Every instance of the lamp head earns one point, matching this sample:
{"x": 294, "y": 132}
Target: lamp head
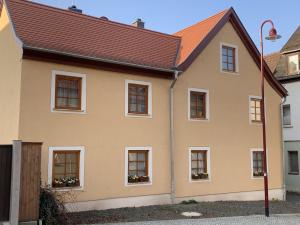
{"x": 273, "y": 36}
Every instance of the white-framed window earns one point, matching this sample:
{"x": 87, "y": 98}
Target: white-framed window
{"x": 257, "y": 158}
{"x": 138, "y": 166}
{"x": 66, "y": 167}
{"x": 68, "y": 92}
{"x": 287, "y": 122}
{"x": 198, "y": 104}
{"x": 229, "y": 58}
{"x": 293, "y": 63}
{"x": 199, "y": 164}
{"x": 255, "y": 103}
{"x": 138, "y": 98}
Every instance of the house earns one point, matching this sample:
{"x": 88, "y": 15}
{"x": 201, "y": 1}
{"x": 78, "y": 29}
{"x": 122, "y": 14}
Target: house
{"x": 285, "y": 66}
{"x": 129, "y": 116}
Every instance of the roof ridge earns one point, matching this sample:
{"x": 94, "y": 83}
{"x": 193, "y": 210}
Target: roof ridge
{"x": 85, "y": 16}
{"x": 290, "y": 38}
{"x": 202, "y": 21}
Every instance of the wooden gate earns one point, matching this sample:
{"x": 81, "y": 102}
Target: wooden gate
{"x": 30, "y": 182}
{"x": 5, "y": 181}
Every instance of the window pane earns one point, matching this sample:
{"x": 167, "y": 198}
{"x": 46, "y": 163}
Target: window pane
{"x": 194, "y": 156}
{"x": 194, "y": 164}
{"x": 141, "y": 173}
{"x": 224, "y": 66}
{"x": 71, "y": 158}
{"x": 59, "y": 169}
{"x": 141, "y": 157}
{"x": 132, "y": 166}
{"x": 293, "y": 64}
{"x": 287, "y": 115}
{"x": 59, "y": 158}
{"x": 230, "y": 53}
{"x": 230, "y": 67}
{"x": 141, "y": 166}
{"x": 132, "y": 156}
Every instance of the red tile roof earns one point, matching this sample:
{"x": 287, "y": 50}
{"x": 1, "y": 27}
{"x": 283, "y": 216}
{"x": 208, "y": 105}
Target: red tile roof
{"x": 192, "y": 36}
{"x": 45, "y": 27}
{"x": 61, "y": 31}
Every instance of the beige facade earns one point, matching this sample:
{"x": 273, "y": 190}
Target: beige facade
{"x": 10, "y": 64}
{"x": 104, "y": 131}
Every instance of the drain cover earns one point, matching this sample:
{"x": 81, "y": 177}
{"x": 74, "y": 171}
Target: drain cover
{"x": 191, "y": 214}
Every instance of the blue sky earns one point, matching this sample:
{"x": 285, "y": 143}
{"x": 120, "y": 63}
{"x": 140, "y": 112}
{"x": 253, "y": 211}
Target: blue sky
{"x": 169, "y": 16}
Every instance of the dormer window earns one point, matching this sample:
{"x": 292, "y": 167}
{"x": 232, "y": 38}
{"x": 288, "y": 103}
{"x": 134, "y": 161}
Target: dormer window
{"x": 293, "y": 64}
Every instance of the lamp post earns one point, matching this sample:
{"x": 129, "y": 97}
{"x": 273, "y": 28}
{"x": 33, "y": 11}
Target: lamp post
{"x": 272, "y": 37}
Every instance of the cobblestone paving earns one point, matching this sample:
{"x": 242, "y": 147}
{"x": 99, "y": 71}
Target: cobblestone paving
{"x": 242, "y": 220}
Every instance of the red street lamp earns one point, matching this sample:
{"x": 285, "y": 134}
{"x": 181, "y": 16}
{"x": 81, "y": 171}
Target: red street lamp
{"x": 273, "y": 36}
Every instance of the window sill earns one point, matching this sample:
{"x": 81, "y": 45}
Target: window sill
{"x": 68, "y": 111}
{"x": 200, "y": 180}
{"x": 257, "y": 177}
{"x": 138, "y": 184}
{"x": 79, "y": 188}
{"x": 138, "y": 115}
{"x": 255, "y": 122}
{"x": 287, "y": 126}
{"x": 230, "y": 72}
{"x": 293, "y": 173}
{"x": 199, "y": 119}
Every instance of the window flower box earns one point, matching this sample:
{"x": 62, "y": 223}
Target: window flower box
{"x": 258, "y": 174}
{"x": 138, "y": 179}
{"x": 66, "y": 182}
{"x": 200, "y": 176}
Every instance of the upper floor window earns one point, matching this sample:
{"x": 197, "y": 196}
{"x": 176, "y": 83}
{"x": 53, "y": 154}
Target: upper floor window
{"x": 255, "y": 109}
{"x": 229, "y": 58}
{"x": 138, "y": 99}
{"x": 198, "y": 104}
{"x": 286, "y": 115}
{"x": 68, "y": 92}
{"x": 293, "y": 63}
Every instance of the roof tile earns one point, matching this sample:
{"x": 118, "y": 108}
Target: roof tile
{"x": 60, "y": 30}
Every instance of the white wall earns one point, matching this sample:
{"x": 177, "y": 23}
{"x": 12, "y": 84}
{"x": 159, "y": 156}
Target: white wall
{"x": 292, "y": 133}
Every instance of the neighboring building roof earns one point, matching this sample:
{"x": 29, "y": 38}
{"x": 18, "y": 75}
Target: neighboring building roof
{"x": 278, "y": 60}
{"x": 272, "y": 60}
{"x": 43, "y": 27}
{"x": 193, "y": 35}
{"x": 293, "y": 43}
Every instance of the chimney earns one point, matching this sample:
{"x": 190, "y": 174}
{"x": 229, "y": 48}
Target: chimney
{"x": 73, "y": 8}
{"x": 139, "y": 23}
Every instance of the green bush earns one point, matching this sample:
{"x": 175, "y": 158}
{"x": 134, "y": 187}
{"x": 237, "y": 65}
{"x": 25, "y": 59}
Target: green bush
{"x": 52, "y": 210}
{"x": 192, "y": 201}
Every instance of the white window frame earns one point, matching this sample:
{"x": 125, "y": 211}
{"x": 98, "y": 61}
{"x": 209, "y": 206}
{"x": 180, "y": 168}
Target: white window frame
{"x": 249, "y": 106}
{"x": 208, "y": 164}
{"x": 236, "y": 72}
{"x": 83, "y": 92}
{"x": 251, "y": 157}
{"x": 127, "y": 114}
{"x": 207, "y": 111}
{"x": 149, "y": 149}
{"x": 81, "y": 165}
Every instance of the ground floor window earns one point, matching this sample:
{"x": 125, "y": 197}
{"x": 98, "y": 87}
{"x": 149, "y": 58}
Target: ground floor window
{"x": 66, "y": 167}
{"x": 293, "y": 162}
{"x": 257, "y": 163}
{"x": 199, "y": 163}
{"x": 138, "y": 165}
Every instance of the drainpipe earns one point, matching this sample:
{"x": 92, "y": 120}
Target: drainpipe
{"x": 283, "y": 148}
{"x": 172, "y": 166}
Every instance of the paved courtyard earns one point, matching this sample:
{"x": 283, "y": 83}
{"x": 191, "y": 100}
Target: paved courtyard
{"x": 242, "y": 220}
